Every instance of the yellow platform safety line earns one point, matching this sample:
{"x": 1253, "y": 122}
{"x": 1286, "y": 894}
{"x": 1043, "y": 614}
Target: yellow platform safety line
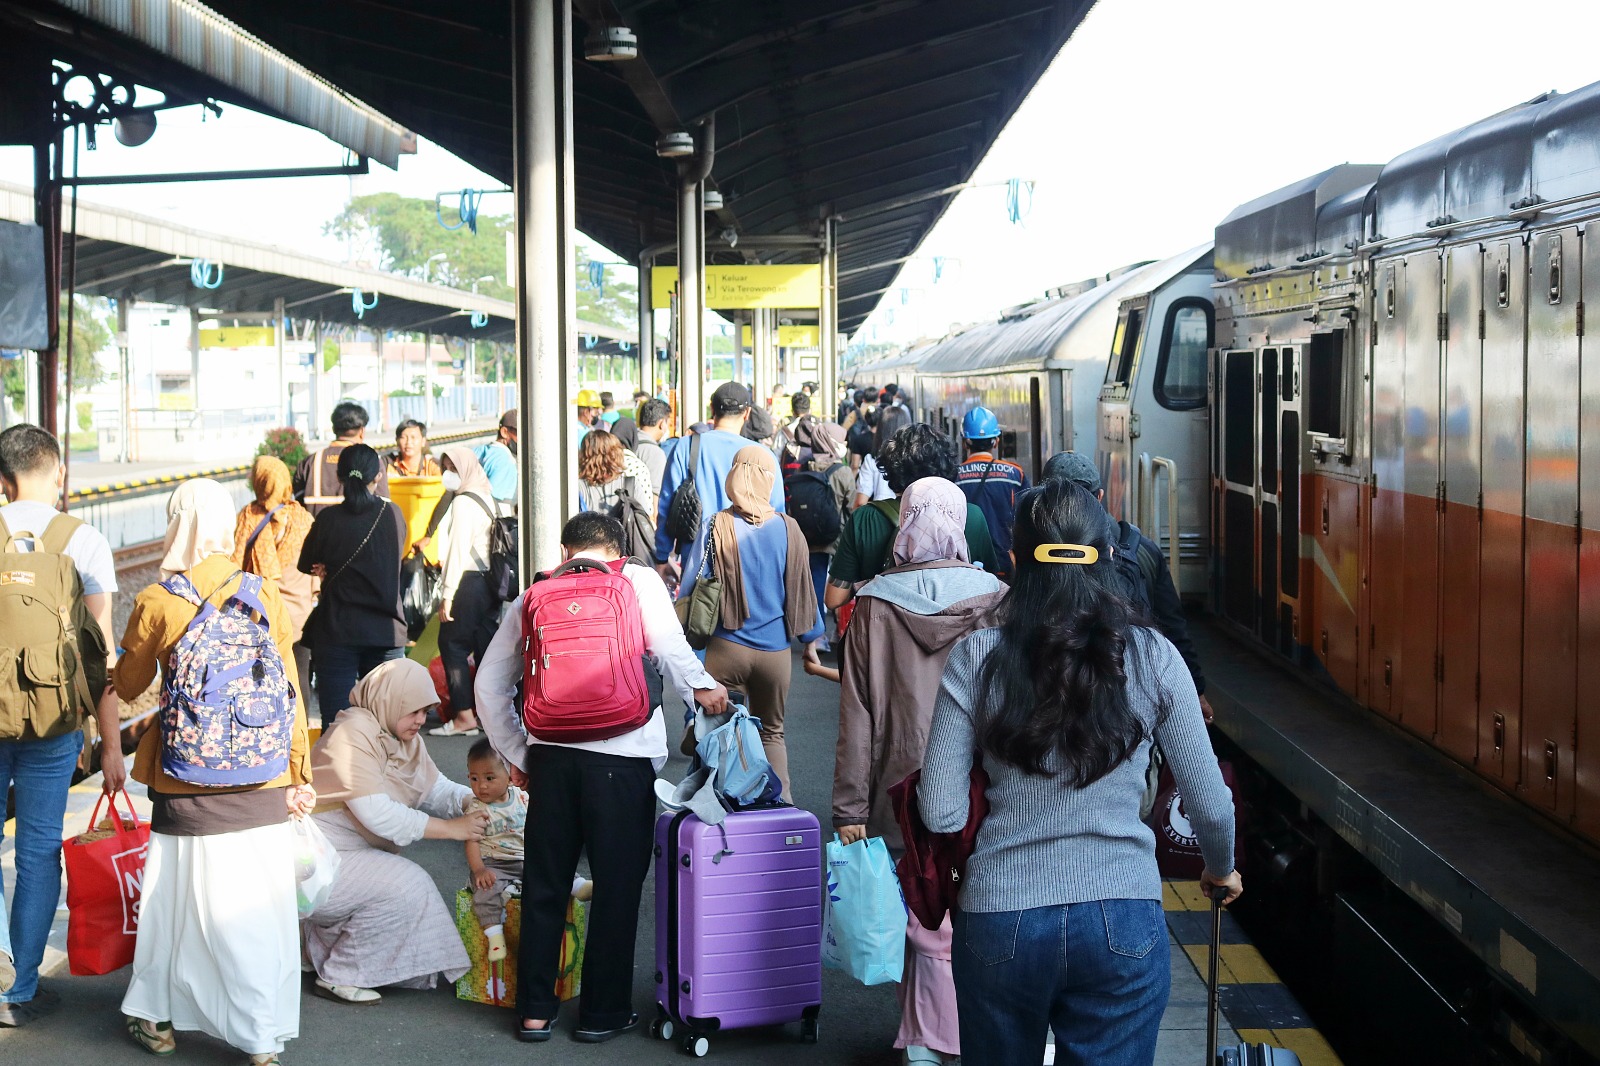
{"x": 1307, "y": 1043}
{"x": 1240, "y": 964}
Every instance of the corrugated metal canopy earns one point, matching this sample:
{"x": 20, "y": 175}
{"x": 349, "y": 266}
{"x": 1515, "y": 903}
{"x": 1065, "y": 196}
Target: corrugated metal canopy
{"x": 181, "y": 47}
{"x": 120, "y": 253}
{"x": 821, "y": 105}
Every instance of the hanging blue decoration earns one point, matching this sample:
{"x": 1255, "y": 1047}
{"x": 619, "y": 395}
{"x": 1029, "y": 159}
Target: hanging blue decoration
{"x": 891, "y": 316}
{"x": 480, "y": 319}
{"x": 905, "y": 297}
{"x": 467, "y": 210}
{"x": 625, "y": 346}
{"x": 204, "y": 274}
{"x": 1018, "y": 206}
{"x": 359, "y": 304}
{"x": 589, "y": 340}
{"x": 938, "y": 268}
{"x": 597, "y": 277}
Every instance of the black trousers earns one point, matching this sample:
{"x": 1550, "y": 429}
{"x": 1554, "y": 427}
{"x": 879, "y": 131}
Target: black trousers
{"x": 603, "y": 804}
{"x": 477, "y": 616}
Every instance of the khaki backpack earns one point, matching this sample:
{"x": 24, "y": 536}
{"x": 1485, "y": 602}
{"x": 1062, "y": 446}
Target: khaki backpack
{"x": 52, "y": 653}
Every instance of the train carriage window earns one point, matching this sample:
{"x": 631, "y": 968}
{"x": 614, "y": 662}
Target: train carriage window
{"x": 1325, "y": 384}
{"x": 1181, "y": 366}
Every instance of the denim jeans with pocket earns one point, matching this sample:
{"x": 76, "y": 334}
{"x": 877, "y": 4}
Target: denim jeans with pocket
{"x": 339, "y": 667}
{"x": 1098, "y": 974}
{"x": 41, "y": 770}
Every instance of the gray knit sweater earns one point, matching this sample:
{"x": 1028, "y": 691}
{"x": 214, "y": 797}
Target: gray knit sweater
{"x": 1045, "y": 844}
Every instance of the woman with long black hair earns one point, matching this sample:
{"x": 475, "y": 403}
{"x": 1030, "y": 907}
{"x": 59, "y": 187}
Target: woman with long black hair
{"x": 1060, "y": 924}
{"x": 355, "y": 547}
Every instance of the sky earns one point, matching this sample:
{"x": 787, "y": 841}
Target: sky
{"x": 1156, "y": 119}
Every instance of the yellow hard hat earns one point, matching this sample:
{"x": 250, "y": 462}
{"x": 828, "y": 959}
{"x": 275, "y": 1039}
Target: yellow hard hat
{"x": 587, "y": 398}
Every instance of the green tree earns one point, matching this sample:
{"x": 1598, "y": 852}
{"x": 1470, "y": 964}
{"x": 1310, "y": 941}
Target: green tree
{"x": 402, "y": 234}
{"x": 92, "y": 333}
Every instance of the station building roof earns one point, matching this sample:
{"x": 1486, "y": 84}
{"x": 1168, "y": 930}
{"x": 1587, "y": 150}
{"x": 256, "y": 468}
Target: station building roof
{"x": 121, "y": 253}
{"x": 821, "y": 106}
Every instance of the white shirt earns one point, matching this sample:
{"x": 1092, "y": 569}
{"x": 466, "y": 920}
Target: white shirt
{"x": 463, "y": 536}
{"x": 495, "y": 691}
{"x": 87, "y": 547}
{"x": 387, "y": 817}
{"x": 872, "y": 482}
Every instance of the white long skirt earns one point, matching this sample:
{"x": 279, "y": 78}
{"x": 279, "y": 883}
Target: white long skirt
{"x": 218, "y": 950}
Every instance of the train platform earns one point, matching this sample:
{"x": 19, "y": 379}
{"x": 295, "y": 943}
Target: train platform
{"x": 857, "y": 1024}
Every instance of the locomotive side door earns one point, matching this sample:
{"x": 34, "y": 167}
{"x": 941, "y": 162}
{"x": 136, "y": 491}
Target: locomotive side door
{"x": 1118, "y": 425}
{"x": 1234, "y": 511}
{"x": 1586, "y": 768}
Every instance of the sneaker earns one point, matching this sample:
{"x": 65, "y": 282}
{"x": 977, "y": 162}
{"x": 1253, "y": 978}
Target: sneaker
{"x": 449, "y": 730}
{"x": 16, "y": 1015}
{"x": 361, "y": 997}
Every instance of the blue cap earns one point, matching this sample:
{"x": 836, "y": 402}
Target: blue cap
{"x": 980, "y": 424}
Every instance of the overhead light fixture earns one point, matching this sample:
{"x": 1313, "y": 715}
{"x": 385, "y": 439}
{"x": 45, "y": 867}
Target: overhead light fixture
{"x": 609, "y": 44}
{"x": 713, "y": 200}
{"x": 134, "y": 128}
{"x": 675, "y": 145}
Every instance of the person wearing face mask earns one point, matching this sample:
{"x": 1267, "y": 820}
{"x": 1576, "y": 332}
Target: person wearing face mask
{"x": 468, "y": 610}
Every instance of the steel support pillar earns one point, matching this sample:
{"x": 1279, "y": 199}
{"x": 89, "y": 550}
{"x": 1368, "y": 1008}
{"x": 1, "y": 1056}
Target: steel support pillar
{"x": 279, "y": 327}
{"x": 427, "y": 378}
{"x": 828, "y": 322}
{"x": 194, "y": 357}
{"x": 125, "y": 454}
{"x": 314, "y": 404}
{"x": 47, "y": 155}
{"x": 546, "y": 286}
{"x": 647, "y": 326}
{"x": 766, "y": 368}
{"x": 691, "y": 307}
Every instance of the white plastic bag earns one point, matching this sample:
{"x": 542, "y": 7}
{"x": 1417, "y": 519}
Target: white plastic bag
{"x": 864, "y": 930}
{"x": 316, "y": 866}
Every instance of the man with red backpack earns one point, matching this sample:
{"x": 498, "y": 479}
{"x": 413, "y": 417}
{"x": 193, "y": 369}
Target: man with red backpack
{"x": 583, "y": 740}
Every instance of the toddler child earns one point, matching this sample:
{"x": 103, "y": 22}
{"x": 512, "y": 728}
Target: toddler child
{"x": 495, "y": 862}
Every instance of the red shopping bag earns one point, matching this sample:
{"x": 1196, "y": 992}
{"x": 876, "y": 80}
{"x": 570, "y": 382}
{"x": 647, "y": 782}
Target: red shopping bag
{"x": 105, "y": 878}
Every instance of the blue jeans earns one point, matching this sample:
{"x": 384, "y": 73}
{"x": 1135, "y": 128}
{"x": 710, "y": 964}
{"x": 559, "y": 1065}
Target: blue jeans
{"x": 42, "y": 772}
{"x": 1098, "y": 974}
{"x": 338, "y": 667}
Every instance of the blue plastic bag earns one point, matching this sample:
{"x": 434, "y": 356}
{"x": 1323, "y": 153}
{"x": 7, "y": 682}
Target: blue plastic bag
{"x": 864, "y": 930}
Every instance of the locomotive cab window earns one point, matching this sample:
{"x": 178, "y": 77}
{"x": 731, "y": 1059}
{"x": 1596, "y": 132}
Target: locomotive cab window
{"x": 1124, "y": 344}
{"x": 1181, "y": 366}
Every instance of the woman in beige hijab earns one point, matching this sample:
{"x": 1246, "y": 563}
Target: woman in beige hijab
{"x": 469, "y": 611}
{"x": 219, "y": 883}
{"x": 385, "y": 922}
{"x": 768, "y": 600}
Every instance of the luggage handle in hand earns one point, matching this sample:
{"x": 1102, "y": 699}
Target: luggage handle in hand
{"x": 1217, "y": 899}
{"x": 120, "y": 827}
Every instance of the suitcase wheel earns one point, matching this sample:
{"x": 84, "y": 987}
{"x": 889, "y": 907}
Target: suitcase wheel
{"x": 696, "y": 1045}
{"x": 808, "y": 1030}
{"x": 662, "y": 1028}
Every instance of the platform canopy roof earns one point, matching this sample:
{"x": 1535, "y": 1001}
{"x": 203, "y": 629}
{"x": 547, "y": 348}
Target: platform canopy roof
{"x": 821, "y": 106}
{"x": 124, "y": 254}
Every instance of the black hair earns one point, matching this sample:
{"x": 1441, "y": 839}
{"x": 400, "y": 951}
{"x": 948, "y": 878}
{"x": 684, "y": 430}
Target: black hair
{"x": 860, "y": 397}
{"x": 482, "y": 750}
{"x": 916, "y": 452}
{"x": 592, "y": 529}
{"x": 27, "y": 449}
{"x": 607, "y": 400}
{"x": 652, "y": 411}
{"x": 638, "y": 393}
{"x": 891, "y": 389}
{"x": 358, "y": 469}
{"x": 983, "y": 444}
{"x": 348, "y": 417}
{"x": 1054, "y": 692}
{"x": 410, "y": 423}
{"x": 723, "y": 405}
{"x": 800, "y": 404}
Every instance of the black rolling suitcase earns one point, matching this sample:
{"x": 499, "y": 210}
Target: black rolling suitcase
{"x": 1240, "y": 1054}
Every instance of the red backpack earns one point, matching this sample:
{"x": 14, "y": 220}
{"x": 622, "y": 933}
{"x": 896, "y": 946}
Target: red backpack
{"x": 582, "y": 648}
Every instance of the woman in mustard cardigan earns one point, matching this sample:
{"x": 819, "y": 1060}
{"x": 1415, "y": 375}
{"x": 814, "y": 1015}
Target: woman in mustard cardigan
{"x": 218, "y": 948}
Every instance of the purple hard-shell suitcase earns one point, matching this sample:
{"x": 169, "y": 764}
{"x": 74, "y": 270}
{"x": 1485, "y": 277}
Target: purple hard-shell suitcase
{"x": 738, "y": 924}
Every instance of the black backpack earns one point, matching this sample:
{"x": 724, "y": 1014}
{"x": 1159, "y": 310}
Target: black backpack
{"x": 638, "y": 532}
{"x": 809, "y": 497}
{"x": 860, "y": 437}
{"x": 683, "y": 514}
{"x": 502, "y": 572}
{"x": 1137, "y": 567}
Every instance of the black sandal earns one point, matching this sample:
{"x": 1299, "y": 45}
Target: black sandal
{"x": 535, "y": 1036}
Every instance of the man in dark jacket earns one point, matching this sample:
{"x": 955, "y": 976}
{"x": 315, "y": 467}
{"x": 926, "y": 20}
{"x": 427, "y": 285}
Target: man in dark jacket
{"x": 1142, "y": 566}
{"x": 316, "y": 479}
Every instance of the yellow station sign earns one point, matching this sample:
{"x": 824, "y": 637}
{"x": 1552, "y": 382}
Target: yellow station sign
{"x": 238, "y": 337}
{"x": 733, "y": 288}
{"x": 788, "y": 337}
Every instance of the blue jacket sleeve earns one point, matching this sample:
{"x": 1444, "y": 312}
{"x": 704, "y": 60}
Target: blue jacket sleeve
{"x": 1168, "y": 609}
{"x": 677, "y": 467}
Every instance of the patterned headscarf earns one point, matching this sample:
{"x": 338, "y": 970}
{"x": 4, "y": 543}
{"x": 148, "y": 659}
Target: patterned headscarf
{"x": 933, "y": 523}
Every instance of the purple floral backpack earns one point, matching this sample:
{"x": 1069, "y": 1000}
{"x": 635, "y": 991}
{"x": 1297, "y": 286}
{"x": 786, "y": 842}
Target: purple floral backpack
{"x": 227, "y": 710}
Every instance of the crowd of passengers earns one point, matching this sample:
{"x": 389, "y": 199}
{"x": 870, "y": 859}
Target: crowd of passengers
{"x": 989, "y": 621}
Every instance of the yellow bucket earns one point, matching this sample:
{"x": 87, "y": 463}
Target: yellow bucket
{"x": 416, "y": 497}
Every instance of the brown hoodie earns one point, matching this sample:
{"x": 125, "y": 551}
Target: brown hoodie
{"x": 894, "y": 654}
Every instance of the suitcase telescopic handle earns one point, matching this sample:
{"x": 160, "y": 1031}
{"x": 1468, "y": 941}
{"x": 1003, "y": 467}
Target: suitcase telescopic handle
{"x": 1217, "y": 896}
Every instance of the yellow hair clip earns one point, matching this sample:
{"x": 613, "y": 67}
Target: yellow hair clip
{"x": 1052, "y": 553}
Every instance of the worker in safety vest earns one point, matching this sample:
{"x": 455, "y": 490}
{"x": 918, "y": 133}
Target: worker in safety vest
{"x": 316, "y": 479}
{"x": 991, "y": 484}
